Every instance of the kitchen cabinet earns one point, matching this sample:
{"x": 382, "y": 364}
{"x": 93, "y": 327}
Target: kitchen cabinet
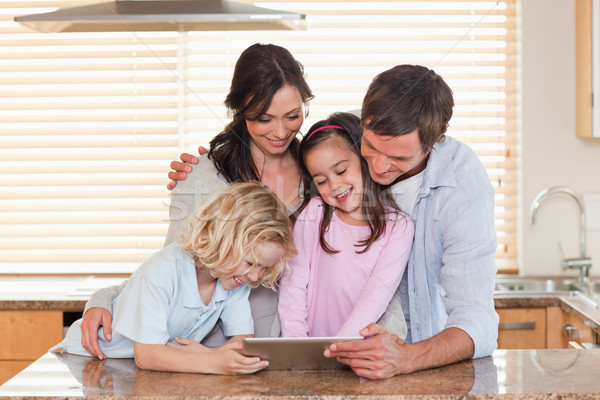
{"x": 542, "y": 328}
{"x": 567, "y": 330}
{"x": 26, "y": 335}
{"x": 587, "y": 64}
{"x": 575, "y": 330}
{"x": 522, "y": 328}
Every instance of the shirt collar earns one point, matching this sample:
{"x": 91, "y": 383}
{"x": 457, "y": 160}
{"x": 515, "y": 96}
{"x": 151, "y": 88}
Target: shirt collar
{"x": 438, "y": 172}
{"x": 191, "y": 297}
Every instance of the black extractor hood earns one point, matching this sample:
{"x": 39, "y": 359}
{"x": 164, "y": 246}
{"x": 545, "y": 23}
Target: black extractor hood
{"x": 164, "y": 15}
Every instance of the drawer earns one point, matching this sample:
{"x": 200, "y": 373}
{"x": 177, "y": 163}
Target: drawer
{"x": 522, "y": 328}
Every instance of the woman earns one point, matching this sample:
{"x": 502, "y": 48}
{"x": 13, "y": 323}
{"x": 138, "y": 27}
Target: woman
{"x": 268, "y": 100}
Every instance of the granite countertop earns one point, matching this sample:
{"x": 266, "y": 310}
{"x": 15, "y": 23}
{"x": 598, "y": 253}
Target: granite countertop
{"x": 43, "y": 293}
{"x": 508, "y": 374}
{"x": 70, "y": 293}
{"x": 525, "y": 374}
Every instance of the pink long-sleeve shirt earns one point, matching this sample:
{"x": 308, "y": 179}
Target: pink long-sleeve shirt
{"x": 340, "y": 294}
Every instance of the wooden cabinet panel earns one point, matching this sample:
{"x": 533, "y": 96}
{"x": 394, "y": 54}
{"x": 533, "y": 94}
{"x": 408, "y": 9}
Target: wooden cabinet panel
{"x": 26, "y": 335}
{"x": 522, "y": 328}
{"x": 556, "y": 319}
{"x": 565, "y": 329}
{"x": 577, "y": 331}
{"x": 583, "y": 65}
{"x": 8, "y": 369}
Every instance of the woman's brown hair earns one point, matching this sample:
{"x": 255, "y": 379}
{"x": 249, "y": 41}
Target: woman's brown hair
{"x": 260, "y": 72}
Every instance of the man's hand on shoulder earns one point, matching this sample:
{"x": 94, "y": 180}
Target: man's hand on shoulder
{"x": 180, "y": 169}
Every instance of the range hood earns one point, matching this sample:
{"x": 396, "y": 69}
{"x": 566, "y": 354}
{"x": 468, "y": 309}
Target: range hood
{"x": 164, "y": 15}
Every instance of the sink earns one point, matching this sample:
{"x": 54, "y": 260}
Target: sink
{"x": 548, "y": 286}
{"x": 535, "y": 285}
{"x": 592, "y": 290}
{"x": 595, "y": 286}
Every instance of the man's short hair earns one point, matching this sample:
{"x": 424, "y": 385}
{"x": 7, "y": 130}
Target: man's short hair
{"x": 405, "y": 98}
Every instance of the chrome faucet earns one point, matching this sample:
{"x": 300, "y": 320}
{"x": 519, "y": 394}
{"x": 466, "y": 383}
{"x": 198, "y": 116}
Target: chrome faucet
{"x": 583, "y": 263}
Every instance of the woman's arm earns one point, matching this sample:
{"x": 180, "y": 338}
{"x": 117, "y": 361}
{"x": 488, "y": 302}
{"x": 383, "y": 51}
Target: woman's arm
{"x": 226, "y": 359}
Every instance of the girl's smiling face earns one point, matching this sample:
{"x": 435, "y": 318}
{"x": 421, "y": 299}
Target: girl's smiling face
{"x": 335, "y": 170}
{"x": 267, "y": 255}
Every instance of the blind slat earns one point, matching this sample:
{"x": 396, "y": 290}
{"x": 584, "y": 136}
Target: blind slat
{"x": 89, "y": 122}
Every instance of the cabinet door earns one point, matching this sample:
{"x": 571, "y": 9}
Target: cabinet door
{"x": 26, "y": 335}
{"x": 587, "y": 77}
{"x": 584, "y": 70}
{"x": 556, "y": 319}
{"x": 522, "y": 328}
{"x": 8, "y": 369}
{"x": 566, "y": 330}
{"x": 577, "y": 331}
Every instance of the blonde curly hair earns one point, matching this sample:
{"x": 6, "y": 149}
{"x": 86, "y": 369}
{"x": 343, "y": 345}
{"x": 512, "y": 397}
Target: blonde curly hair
{"x": 232, "y": 224}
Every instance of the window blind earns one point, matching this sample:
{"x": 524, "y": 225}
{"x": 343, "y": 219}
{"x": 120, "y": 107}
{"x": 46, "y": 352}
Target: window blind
{"x": 90, "y": 121}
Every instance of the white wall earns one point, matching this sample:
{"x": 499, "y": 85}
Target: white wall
{"x": 551, "y": 154}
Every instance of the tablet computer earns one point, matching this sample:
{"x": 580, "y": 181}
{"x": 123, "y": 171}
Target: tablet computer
{"x": 295, "y": 353}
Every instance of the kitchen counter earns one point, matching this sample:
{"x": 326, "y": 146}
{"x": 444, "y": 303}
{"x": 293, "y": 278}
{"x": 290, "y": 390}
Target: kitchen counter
{"x": 70, "y": 293}
{"x": 508, "y": 374}
{"x": 574, "y": 304}
{"x": 523, "y": 374}
{"x": 44, "y": 293}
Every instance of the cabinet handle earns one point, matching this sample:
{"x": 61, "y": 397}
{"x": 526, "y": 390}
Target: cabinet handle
{"x": 572, "y": 332}
{"x": 516, "y": 325}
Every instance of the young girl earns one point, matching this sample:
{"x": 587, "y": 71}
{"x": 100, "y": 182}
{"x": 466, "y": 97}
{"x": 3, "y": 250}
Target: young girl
{"x": 352, "y": 250}
{"x": 242, "y": 238}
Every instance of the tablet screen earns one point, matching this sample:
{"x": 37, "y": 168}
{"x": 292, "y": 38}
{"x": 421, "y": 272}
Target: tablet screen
{"x": 295, "y": 353}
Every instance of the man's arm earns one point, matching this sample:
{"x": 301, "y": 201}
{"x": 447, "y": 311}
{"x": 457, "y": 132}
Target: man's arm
{"x": 469, "y": 269}
{"x": 104, "y": 297}
{"x": 382, "y": 355}
{"x": 97, "y": 313}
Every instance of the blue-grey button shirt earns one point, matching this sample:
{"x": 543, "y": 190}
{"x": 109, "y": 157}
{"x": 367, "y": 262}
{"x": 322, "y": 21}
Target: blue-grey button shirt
{"x": 161, "y": 302}
{"x": 449, "y": 281}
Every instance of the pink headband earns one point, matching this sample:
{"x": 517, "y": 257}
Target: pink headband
{"x": 324, "y": 127}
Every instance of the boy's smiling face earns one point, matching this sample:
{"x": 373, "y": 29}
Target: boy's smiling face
{"x": 267, "y": 255}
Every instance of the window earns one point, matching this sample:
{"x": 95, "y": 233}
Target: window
{"x": 90, "y": 121}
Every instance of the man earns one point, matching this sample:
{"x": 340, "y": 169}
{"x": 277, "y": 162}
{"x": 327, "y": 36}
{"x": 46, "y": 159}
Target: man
{"x": 447, "y": 291}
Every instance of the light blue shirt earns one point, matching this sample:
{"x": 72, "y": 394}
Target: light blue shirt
{"x": 161, "y": 302}
{"x": 449, "y": 281}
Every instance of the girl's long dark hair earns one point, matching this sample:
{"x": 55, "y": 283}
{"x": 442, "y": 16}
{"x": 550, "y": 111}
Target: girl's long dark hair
{"x": 259, "y": 73}
{"x": 373, "y": 199}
